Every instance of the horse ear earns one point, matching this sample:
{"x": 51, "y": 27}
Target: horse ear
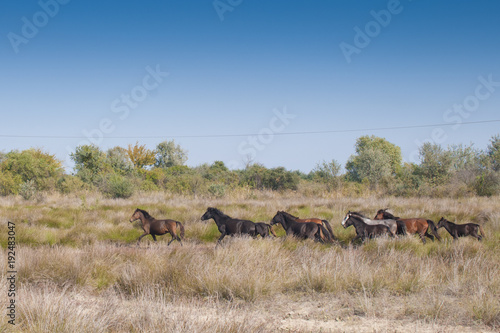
{"x": 385, "y": 209}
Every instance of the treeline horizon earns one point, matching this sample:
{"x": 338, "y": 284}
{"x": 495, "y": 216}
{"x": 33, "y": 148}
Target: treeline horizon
{"x": 376, "y": 167}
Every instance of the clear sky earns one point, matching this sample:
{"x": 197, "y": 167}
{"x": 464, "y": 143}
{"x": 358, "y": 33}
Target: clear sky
{"x": 149, "y": 71}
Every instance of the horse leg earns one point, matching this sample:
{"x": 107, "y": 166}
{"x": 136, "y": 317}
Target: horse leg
{"x": 154, "y": 237}
{"x": 140, "y": 237}
{"x": 173, "y": 238}
{"x": 421, "y": 235}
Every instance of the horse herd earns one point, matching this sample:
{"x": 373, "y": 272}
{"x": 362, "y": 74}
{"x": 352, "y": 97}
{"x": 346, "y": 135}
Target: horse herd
{"x": 384, "y": 224}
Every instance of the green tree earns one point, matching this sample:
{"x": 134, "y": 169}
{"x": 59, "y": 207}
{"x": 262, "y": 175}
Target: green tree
{"x": 435, "y": 163}
{"x": 169, "y": 154}
{"x": 119, "y": 160}
{"x": 327, "y": 173}
{"x": 493, "y": 152}
{"x": 34, "y": 166}
{"x": 90, "y": 163}
{"x": 376, "y": 159}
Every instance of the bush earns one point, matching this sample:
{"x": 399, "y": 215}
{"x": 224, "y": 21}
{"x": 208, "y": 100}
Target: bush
{"x": 28, "y": 190}
{"x": 9, "y": 183}
{"x": 117, "y": 186}
{"x": 217, "y": 190}
{"x": 69, "y": 184}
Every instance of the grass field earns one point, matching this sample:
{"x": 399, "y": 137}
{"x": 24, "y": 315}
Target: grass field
{"x": 80, "y": 271}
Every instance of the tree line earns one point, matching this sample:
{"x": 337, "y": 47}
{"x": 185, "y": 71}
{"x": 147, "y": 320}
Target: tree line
{"x": 375, "y": 167}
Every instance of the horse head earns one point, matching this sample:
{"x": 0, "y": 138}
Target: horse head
{"x": 136, "y": 216}
{"x": 441, "y": 223}
{"x": 278, "y": 218}
{"x": 346, "y": 218}
{"x": 209, "y": 214}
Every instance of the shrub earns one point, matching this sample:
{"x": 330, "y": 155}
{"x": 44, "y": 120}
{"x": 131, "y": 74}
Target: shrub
{"x": 217, "y": 190}
{"x": 28, "y": 190}
{"x": 117, "y": 186}
{"x": 9, "y": 183}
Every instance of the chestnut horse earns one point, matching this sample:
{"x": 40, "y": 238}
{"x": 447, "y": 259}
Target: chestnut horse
{"x": 154, "y": 227}
{"x": 461, "y": 230}
{"x": 324, "y": 223}
{"x": 415, "y": 225}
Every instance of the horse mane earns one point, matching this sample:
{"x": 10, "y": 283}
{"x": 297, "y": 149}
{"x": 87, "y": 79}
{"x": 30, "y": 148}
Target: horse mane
{"x": 146, "y": 214}
{"x": 359, "y": 214}
{"x": 217, "y": 212}
{"x": 387, "y": 215}
{"x": 288, "y": 214}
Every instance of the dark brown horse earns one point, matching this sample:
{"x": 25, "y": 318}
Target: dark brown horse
{"x": 461, "y": 230}
{"x": 154, "y": 227}
{"x": 264, "y": 229}
{"x": 363, "y": 230}
{"x": 304, "y": 230}
{"x": 324, "y": 223}
{"x": 415, "y": 225}
{"x": 228, "y": 225}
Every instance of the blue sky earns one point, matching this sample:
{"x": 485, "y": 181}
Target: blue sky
{"x": 72, "y": 69}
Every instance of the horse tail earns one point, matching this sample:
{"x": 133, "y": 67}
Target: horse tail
{"x": 401, "y": 227}
{"x": 271, "y": 230}
{"x": 434, "y": 230}
{"x": 482, "y": 231}
{"x": 329, "y": 228}
{"x": 324, "y": 234}
{"x": 181, "y": 227}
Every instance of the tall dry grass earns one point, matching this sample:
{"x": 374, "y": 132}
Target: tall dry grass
{"x": 79, "y": 269}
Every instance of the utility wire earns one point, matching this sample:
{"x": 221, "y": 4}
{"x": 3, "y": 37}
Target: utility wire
{"x": 252, "y": 134}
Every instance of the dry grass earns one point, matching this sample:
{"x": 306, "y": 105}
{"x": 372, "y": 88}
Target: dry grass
{"x": 79, "y": 270}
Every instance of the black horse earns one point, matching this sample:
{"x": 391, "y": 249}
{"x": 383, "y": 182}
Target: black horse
{"x": 228, "y": 225}
{"x": 461, "y": 230}
{"x": 363, "y": 230}
{"x": 304, "y": 230}
{"x": 264, "y": 229}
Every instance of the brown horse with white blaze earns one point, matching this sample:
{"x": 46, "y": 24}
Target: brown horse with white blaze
{"x": 154, "y": 227}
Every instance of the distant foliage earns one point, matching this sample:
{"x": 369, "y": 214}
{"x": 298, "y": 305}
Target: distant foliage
{"x": 140, "y": 156}
{"x": 117, "y": 186}
{"x": 168, "y": 154}
{"x": 376, "y": 160}
{"x": 90, "y": 163}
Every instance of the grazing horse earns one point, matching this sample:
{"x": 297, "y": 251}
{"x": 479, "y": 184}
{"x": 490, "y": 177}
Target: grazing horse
{"x": 304, "y": 230}
{"x": 461, "y": 230}
{"x": 415, "y": 225}
{"x": 324, "y": 223}
{"x": 391, "y": 223}
{"x": 154, "y": 227}
{"x": 364, "y": 230}
{"x": 228, "y": 225}
{"x": 264, "y": 229}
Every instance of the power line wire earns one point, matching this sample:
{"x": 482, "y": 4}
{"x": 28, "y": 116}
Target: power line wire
{"x": 251, "y": 134}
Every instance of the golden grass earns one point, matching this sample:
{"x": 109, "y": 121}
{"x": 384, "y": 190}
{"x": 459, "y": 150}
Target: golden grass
{"x": 79, "y": 269}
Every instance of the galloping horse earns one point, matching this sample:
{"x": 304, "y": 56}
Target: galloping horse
{"x": 154, "y": 227}
{"x": 391, "y": 223}
{"x": 418, "y": 226}
{"x": 302, "y": 230}
{"x": 228, "y": 225}
{"x": 461, "y": 230}
{"x": 364, "y": 230}
{"x": 264, "y": 229}
{"x": 324, "y": 223}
